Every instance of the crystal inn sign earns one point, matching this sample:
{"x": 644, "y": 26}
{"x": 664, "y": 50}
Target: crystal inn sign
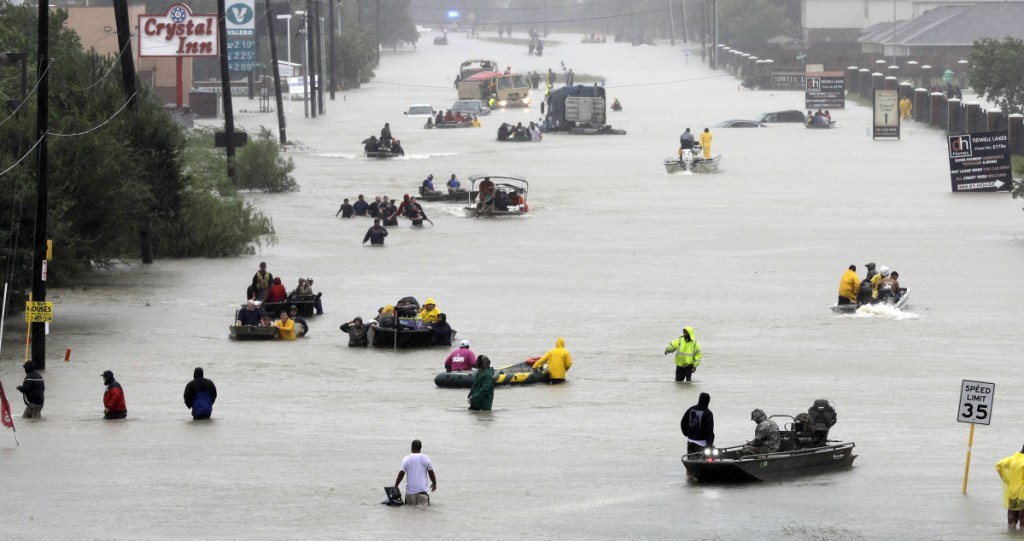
{"x": 178, "y": 33}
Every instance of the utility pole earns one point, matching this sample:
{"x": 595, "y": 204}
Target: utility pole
{"x": 225, "y": 85}
{"x": 318, "y": 24}
{"x": 330, "y": 52}
{"x": 38, "y": 330}
{"x": 686, "y": 31}
{"x": 671, "y": 25}
{"x": 311, "y": 57}
{"x": 277, "y": 74}
{"x": 124, "y": 44}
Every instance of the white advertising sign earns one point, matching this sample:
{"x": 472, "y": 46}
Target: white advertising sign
{"x": 179, "y": 32}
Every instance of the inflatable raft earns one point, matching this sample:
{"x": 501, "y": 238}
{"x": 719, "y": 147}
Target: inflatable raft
{"x": 517, "y": 374}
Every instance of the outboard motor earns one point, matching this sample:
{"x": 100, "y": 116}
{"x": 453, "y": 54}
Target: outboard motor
{"x": 687, "y": 159}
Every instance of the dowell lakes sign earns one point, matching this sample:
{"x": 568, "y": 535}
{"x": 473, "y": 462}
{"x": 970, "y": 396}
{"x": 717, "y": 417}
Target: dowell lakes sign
{"x": 178, "y": 33}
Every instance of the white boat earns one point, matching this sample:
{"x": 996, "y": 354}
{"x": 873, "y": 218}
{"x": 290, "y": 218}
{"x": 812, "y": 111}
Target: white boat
{"x": 691, "y": 162}
{"x": 900, "y": 304}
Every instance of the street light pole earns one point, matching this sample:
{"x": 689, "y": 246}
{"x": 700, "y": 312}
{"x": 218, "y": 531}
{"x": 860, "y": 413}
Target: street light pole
{"x": 288, "y": 31}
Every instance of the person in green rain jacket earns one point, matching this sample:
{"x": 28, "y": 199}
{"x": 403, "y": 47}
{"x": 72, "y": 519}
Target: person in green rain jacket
{"x": 481, "y": 396}
{"x": 687, "y": 354}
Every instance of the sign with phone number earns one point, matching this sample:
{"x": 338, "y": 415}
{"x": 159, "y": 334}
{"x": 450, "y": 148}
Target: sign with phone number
{"x": 976, "y": 402}
{"x": 38, "y": 312}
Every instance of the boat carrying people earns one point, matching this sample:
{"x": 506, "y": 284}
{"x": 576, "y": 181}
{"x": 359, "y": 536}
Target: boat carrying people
{"x": 803, "y": 449}
{"x": 516, "y": 374}
{"x": 500, "y": 195}
{"x": 406, "y": 325}
{"x": 881, "y": 287}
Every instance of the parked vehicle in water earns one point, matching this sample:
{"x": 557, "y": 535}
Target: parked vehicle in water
{"x": 579, "y": 110}
{"x": 421, "y": 110}
{"x": 791, "y": 115}
{"x": 473, "y": 66}
{"x": 471, "y": 107}
{"x": 739, "y": 123}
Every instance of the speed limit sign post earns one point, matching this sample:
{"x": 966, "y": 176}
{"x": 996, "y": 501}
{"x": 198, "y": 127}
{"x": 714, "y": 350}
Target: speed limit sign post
{"x": 975, "y": 408}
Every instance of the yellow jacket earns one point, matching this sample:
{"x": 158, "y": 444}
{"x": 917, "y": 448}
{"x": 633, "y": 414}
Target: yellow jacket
{"x": 557, "y": 359}
{"x": 875, "y": 281}
{"x": 1011, "y": 470}
{"x": 848, "y": 285}
{"x": 705, "y": 144}
{"x": 286, "y": 330}
{"x": 429, "y": 316}
{"x": 687, "y": 353}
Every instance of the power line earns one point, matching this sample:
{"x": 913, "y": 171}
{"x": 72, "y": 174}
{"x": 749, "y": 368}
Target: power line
{"x": 30, "y": 92}
{"x": 98, "y": 126}
{"x": 21, "y": 159}
{"x": 580, "y": 19}
{"x": 113, "y": 65}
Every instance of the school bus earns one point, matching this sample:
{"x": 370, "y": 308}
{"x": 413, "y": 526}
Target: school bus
{"x": 511, "y": 90}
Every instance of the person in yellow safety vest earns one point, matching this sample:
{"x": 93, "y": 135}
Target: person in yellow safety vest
{"x": 491, "y": 103}
{"x": 558, "y": 361}
{"x": 705, "y": 143}
{"x": 1011, "y": 471}
{"x": 687, "y": 354}
{"x": 848, "y": 286}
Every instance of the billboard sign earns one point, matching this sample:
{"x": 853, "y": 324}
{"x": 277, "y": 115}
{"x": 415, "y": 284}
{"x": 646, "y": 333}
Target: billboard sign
{"x": 824, "y": 90}
{"x": 886, "y": 117}
{"x": 178, "y": 33}
{"x": 240, "y": 23}
{"x": 980, "y": 162}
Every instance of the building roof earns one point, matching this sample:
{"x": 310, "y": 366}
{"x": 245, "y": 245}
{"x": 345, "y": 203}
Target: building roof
{"x": 951, "y": 26}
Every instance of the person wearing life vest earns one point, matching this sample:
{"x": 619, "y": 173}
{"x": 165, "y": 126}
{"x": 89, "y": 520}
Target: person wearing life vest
{"x": 1011, "y": 471}
{"x": 688, "y": 354}
{"x": 848, "y": 286}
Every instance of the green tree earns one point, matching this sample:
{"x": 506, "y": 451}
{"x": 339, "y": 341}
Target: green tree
{"x": 357, "y": 54}
{"x": 997, "y": 72}
{"x": 747, "y": 25}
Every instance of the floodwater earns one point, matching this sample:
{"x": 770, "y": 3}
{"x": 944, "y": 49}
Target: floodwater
{"x": 615, "y": 256}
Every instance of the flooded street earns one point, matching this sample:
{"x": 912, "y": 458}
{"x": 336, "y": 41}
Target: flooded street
{"x": 616, "y": 256}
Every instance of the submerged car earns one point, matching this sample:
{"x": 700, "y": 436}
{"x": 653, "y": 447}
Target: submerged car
{"x": 739, "y": 123}
{"x": 791, "y": 115}
{"x": 471, "y": 107}
{"x": 421, "y": 110}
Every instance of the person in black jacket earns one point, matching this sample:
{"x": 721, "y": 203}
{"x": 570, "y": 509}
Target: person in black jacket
{"x": 442, "y": 331}
{"x": 375, "y": 234}
{"x": 32, "y": 392}
{"x": 200, "y": 394}
{"x": 698, "y": 426}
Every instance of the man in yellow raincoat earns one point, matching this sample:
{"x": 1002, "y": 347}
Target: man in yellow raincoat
{"x": 705, "y": 143}
{"x": 688, "y": 354}
{"x": 848, "y": 286}
{"x": 1011, "y": 470}
{"x": 557, "y": 360}
{"x": 429, "y": 312}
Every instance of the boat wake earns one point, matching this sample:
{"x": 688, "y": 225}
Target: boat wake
{"x": 883, "y": 311}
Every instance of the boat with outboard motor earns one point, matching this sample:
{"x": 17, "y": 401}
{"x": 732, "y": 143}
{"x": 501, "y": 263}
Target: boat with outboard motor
{"x": 430, "y": 124}
{"x": 451, "y": 197}
{"x": 826, "y": 126}
{"x": 499, "y": 194}
{"x": 691, "y": 161}
{"x": 804, "y": 450}
{"x": 517, "y": 374}
{"x": 253, "y": 332}
{"x": 410, "y": 333}
{"x": 900, "y": 303}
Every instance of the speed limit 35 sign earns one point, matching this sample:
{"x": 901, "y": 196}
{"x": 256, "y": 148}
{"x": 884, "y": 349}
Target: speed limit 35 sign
{"x": 976, "y": 402}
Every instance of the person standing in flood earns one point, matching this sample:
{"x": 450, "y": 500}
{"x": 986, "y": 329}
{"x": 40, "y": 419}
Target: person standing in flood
{"x": 481, "y": 396}
{"x": 688, "y": 354}
{"x": 558, "y": 362}
{"x": 32, "y": 392}
{"x": 376, "y": 233}
{"x": 113, "y": 398}
{"x": 417, "y": 467}
{"x": 200, "y": 394}
{"x": 1011, "y": 471}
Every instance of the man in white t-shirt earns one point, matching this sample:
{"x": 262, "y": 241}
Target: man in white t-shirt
{"x": 417, "y": 467}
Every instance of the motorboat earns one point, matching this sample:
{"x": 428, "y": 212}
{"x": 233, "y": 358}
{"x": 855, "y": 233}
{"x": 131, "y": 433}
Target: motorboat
{"x": 517, "y": 374}
{"x": 252, "y": 332}
{"x": 499, "y": 195}
{"x": 448, "y": 125}
{"x": 382, "y": 154}
{"x": 691, "y": 161}
{"x": 448, "y": 197}
{"x": 899, "y": 304}
{"x": 409, "y": 334}
{"x": 831, "y": 124}
{"x": 804, "y": 450}
{"x": 306, "y": 306}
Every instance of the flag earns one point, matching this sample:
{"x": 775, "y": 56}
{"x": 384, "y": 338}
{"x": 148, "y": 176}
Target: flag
{"x": 5, "y": 409}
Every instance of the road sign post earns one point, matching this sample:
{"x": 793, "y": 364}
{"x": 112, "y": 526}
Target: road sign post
{"x": 975, "y": 408}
